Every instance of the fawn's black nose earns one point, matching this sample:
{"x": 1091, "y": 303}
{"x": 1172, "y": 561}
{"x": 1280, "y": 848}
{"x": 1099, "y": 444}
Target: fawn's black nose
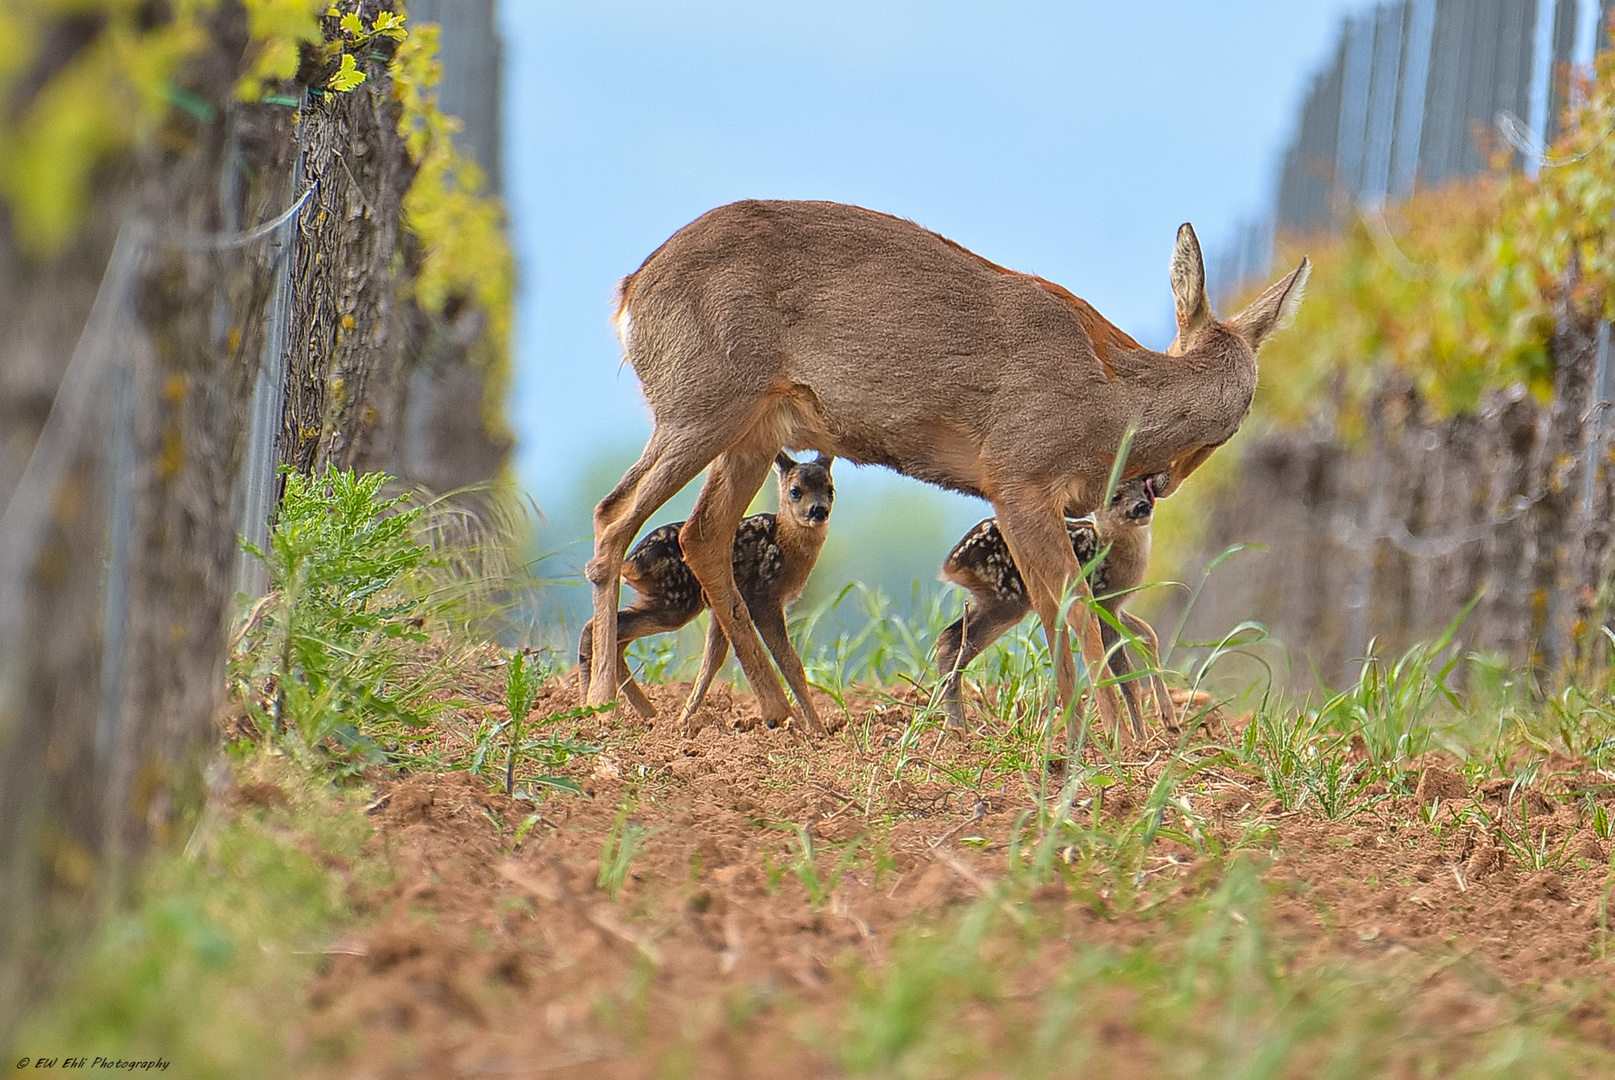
{"x": 1141, "y": 510}
{"x": 818, "y": 514}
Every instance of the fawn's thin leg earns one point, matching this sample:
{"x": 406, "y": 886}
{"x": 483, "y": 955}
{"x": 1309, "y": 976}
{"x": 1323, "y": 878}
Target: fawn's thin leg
{"x": 966, "y": 639}
{"x": 1034, "y": 529}
{"x": 634, "y": 623}
{"x": 1163, "y": 697}
{"x": 708, "y": 540}
{"x": 712, "y": 659}
{"x": 668, "y": 463}
{"x": 625, "y": 679}
{"x": 1121, "y": 667}
{"x": 771, "y": 625}
{"x": 631, "y": 689}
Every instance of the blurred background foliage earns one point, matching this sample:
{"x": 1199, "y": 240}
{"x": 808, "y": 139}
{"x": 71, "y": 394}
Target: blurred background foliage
{"x": 1457, "y": 286}
{"x": 94, "y": 79}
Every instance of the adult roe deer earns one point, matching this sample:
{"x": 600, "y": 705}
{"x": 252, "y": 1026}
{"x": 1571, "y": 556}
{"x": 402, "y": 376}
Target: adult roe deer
{"x": 1115, "y": 546}
{"x": 820, "y": 326}
{"x": 773, "y": 556}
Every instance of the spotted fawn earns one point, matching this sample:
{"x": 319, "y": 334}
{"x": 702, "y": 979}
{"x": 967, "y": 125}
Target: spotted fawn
{"x": 981, "y": 563}
{"x": 773, "y": 556}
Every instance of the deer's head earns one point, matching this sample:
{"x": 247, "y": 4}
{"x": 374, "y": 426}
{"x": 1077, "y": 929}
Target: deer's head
{"x": 805, "y": 489}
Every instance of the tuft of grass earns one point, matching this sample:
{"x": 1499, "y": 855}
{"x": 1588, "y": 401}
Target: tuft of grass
{"x": 205, "y": 965}
{"x": 805, "y": 865}
{"x": 329, "y": 648}
{"x": 1213, "y": 991}
{"x": 622, "y": 845}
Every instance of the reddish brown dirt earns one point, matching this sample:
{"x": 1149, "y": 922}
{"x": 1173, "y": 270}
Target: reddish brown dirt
{"x": 492, "y": 957}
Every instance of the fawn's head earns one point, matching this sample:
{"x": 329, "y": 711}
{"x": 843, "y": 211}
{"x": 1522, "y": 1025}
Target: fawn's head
{"x": 805, "y": 490}
{"x": 1133, "y": 503}
{"x": 1199, "y": 329}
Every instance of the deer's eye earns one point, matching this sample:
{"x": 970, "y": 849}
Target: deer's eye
{"x": 796, "y": 493}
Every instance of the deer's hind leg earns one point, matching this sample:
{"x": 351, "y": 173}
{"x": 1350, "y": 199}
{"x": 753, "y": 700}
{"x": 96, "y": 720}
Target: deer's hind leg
{"x": 670, "y": 461}
{"x": 963, "y": 641}
{"x": 708, "y": 541}
{"x": 1034, "y": 529}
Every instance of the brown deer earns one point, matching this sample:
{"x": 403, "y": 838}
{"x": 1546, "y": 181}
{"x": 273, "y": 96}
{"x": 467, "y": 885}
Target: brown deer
{"x": 772, "y": 558}
{"x": 1116, "y": 548}
{"x": 820, "y": 326}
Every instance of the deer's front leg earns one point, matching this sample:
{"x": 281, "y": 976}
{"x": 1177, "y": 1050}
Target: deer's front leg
{"x": 1163, "y": 697}
{"x": 1034, "y": 528}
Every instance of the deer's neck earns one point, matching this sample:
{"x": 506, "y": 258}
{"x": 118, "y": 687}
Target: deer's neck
{"x": 1127, "y": 560}
{"x": 800, "y": 547}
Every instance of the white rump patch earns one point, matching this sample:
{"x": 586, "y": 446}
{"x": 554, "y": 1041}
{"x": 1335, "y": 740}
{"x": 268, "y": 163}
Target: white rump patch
{"x": 625, "y": 330}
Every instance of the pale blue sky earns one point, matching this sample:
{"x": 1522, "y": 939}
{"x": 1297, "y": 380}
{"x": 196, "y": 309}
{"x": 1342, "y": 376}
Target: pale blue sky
{"x": 1063, "y": 139}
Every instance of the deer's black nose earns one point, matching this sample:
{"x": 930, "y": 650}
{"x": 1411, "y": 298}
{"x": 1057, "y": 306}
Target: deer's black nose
{"x": 817, "y": 514}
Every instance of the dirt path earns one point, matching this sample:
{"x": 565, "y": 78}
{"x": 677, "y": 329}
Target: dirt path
{"x": 772, "y": 879}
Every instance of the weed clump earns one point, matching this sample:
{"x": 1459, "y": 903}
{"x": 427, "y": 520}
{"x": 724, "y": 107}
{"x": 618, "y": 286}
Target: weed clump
{"x": 329, "y": 649}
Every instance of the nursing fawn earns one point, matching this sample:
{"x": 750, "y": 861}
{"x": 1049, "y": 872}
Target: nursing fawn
{"x": 981, "y": 563}
{"x": 773, "y": 556}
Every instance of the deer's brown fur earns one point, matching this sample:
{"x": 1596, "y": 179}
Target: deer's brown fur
{"x": 827, "y": 327}
{"x": 980, "y": 562}
{"x": 772, "y": 556}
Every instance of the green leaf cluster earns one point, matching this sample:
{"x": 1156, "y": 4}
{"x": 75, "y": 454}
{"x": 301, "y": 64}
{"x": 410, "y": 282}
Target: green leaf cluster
{"x": 356, "y": 37}
{"x": 523, "y": 678}
{"x": 331, "y": 648}
{"x": 278, "y": 30}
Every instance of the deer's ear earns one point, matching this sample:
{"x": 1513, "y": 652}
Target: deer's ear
{"x": 1273, "y": 309}
{"x": 783, "y": 462}
{"x": 825, "y": 460}
{"x": 1189, "y": 283}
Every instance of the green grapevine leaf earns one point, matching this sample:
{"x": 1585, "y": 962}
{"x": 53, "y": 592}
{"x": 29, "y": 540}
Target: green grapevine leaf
{"x": 347, "y": 76}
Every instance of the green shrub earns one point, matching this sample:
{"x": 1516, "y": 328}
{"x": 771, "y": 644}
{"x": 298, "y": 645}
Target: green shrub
{"x": 333, "y": 648}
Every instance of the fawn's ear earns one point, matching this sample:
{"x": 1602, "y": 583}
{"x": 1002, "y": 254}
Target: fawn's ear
{"x": 824, "y": 460}
{"x": 1189, "y": 283}
{"x": 783, "y": 462}
{"x": 1273, "y": 309}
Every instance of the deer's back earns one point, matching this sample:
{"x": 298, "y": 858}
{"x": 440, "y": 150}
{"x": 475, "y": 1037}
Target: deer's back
{"x": 890, "y": 344}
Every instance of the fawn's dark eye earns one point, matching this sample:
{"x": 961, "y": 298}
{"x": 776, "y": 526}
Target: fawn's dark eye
{"x": 796, "y": 493}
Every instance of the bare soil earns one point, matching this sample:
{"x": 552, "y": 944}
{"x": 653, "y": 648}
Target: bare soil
{"x": 486, "y": 956}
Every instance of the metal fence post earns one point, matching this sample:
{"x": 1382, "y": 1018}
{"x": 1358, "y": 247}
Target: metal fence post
{"x": 258, "y": 483}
